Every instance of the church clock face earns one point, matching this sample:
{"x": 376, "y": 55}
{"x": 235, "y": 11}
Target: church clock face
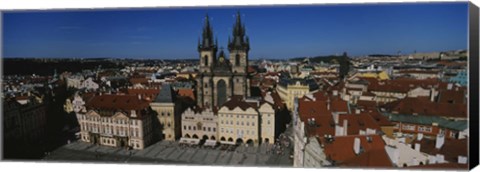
{"x": 221, "y": 59}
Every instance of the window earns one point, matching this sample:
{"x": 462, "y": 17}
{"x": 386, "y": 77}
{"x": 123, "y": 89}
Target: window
{"x": 424, "y": 129}
{"x": 214, "y": 130}
{"x": 268, "y": 122}
{"x": 237, "y": 60}
{"x": 221, "y": 130}
{"x": 452, "y": 134}
{"x": 408, "y": 127}
{"x": 253, "y": 124}
{"x": 248, "y": 124}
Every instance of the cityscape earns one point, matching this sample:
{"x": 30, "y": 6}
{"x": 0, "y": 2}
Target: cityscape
{"x": 228, "y": 103}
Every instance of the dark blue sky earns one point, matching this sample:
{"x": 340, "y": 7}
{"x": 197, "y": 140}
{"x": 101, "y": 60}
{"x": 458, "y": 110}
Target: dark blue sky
{"x": 274, "y": 31}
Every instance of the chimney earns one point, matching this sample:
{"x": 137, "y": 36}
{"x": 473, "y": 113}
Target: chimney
{"x": 417, "y": 147}
{"x": 432, "y": 94}
{"x": 432, "y": 159}
{"x": 139, "y": 97}
{"x": 335, "y": 92}
{"x": 440, "y": 141}
{"x": 462, "y": 159}
{"x": 419, "y": 136}
{"x": 449, "y": 86}
{"x": 356, "y": 145}
{"x": 345, "y": 127}
{"x": 339, "y": 130}
{"x": 328, "y": 103}
{"x": 335, "y": 118}
{"x": 440, "y": 158}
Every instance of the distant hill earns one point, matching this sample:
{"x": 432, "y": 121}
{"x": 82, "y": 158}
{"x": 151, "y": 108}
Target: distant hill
{"x": 343, "y": 61}
{"x": 382, "y": 55}
{"x": 325, "y": 59}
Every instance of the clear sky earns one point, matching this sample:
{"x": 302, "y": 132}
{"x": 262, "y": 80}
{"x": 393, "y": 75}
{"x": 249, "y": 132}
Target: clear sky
{"x": 274, "y": 31}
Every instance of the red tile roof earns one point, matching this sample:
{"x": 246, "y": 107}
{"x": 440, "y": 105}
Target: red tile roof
{"x": 357, "y": 122}
{"x": 148, "y": 94}
{"x": 403, "y": 85}
{"x": 451, "y": 149}
{"x": 114, "y": 103}
{"x": 278, "y": 102}
{"x": 237, "y": 101}
{"x": 373, "y": 158}
{"x": 441, "y": 166}
{"x": 367, "y": 105}
{"x": 452, "y": 96}
{"x": 340, "y": 150}
{"x": 427, "y": 108}
{"x": 134, "y": 81}
{"x": 379, "y": 118}
{"x": 324, "y": 124}
{"x": 186, "y": 92}
{"x": 338, "y": 105}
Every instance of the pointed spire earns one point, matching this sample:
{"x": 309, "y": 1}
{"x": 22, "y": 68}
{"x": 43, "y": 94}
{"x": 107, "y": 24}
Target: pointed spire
{"x": 238, "y": 33}
{"x": 207, "y": 35}
{"x": 238, "y": 18}
{"x": 207, "y": 20}
{"x": 199, "y": 44}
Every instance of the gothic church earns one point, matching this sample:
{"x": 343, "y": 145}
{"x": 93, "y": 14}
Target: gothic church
{"x": 220, "y": 78}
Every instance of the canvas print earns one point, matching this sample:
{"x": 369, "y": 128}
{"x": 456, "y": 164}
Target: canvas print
{"x": 374, "y": 86}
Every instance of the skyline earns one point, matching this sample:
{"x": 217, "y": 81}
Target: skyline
{"x": 274, "y": 31}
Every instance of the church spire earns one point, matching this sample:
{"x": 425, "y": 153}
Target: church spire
{"x": 238, "y": 41}
{"x": 207, "y": 35}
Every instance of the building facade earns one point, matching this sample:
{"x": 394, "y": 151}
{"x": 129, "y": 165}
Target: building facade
{"x": 24, "y": 127}
{"x": 129, "y": 125}
{"x": 199, "y": 124}
{"x": 219, "y": 77}
{"x": 289, "y": 91}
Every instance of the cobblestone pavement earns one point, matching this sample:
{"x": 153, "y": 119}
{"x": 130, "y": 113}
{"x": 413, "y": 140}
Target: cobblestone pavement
{"x": 167, "y": 152}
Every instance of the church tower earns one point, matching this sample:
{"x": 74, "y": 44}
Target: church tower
{"x": 239, "y": 47}
{"x": 220, "y": 78}
{"x": 207, "y": 49}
